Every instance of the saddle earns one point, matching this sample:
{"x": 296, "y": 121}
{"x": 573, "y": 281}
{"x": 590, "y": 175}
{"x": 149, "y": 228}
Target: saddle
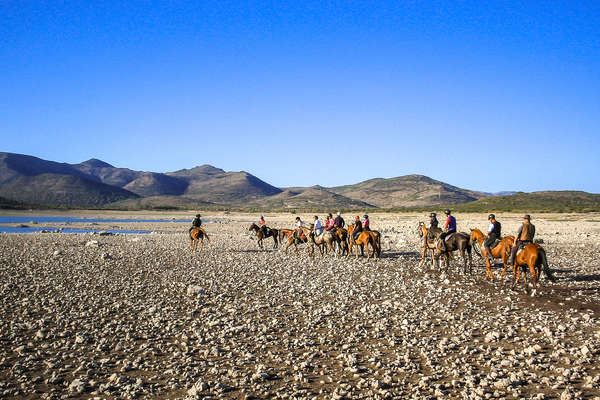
{"x": 449, "y": 236}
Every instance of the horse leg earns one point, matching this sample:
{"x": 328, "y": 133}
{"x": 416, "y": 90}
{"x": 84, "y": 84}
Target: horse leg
{"x": 534, "y": 276}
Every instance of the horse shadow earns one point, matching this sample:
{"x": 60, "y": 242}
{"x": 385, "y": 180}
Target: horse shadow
{"x": 254, "y": 251}
{"x": 397, "y": 254}
{"x": 584, "y": 278}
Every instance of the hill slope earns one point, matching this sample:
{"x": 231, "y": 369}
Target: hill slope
{"x": 212, "y": 184}
{"x": 545, "y": 201}
{"x": 62, "y": 190}
{"x": 315, "y": 197}
{"x": 407, "y": 191}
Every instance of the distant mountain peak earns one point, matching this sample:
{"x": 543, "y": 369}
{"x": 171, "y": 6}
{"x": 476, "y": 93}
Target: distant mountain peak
{"x": 96, "y": 163}
{"x": 204, "y": 169}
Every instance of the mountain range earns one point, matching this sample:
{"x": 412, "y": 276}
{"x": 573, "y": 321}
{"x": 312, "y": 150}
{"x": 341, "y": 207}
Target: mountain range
{"x": 95, "y": 183}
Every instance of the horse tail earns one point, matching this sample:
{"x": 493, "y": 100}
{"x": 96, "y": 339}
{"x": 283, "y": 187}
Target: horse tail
{"x": 476, "y": 249}
{"x": 546, "y": 268}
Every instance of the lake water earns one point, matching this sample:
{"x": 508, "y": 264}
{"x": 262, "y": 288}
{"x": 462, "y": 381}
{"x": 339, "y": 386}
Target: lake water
{"x": 64, "y": 220}
{"x": 30, "y": 229}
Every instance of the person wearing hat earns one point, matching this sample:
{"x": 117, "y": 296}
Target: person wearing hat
{"x": 358, "y": 228}
{"x": 339, "y": 222}
{"x": 366, "y": 223}
{"x": 197, "y": 222}
{"x": 494, "y": 233}
{"x": 450, "y": 225}
{"x": 433, "y": 222}
{"x": 523, "y": 237}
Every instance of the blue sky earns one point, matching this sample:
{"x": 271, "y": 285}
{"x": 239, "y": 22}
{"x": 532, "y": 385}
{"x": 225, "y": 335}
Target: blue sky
{"x": 483, "y": 95}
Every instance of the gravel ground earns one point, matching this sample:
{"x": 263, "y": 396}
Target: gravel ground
{"x": 128, "y": 316}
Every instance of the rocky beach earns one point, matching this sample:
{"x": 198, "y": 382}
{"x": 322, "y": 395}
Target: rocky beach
{"x": 142, "y": 316}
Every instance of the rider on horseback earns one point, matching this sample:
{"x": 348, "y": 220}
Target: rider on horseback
{"x": 494, "y": 232}
{"x": 196, "y": 223}
{"x": 329, "y": 223}
{"x": 318, "y": 226}
{"x": 298, "y": 231}
{"x": 339, "y": 222}
{"x": 366, "y": 223}
{"x": 433, "y": 222}
{"x": 263, "y": 226}
{"x": 358, "y": 228}
{"x": 450, "y": 227}
{"x": 524, "y": 237}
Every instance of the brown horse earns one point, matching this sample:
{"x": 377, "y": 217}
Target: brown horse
{"x": 289, "y": 233}
{"x": 428, "y": 244}
{"x": 369, "y": 237}
{"x": 534, "y": 257}
{"x": 260, "y": 235}
{"x": 198, "y": 234}
{"x": 501, "y": 250}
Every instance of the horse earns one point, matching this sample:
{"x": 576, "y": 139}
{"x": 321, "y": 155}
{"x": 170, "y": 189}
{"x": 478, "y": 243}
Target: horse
{"x": 195, "y": 235}
{"x": 260, "y": 235}
{"x": 534, "y": 257}
{"x": 340, "y": 235}
{"x": 501, "y": 250}
{"x": 289, "y": 233}
{"x": 325, "y": 239}
{"x": 374, "y": 238}
{"x": 456, "y": 241}
{"x": 427, "y": 244}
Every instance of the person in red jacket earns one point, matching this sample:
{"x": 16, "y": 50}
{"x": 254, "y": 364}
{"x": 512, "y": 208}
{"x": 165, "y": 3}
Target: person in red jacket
{"x": 329, "y": 222}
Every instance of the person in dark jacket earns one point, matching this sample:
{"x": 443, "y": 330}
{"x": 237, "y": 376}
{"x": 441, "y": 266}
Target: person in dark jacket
{"x": 523, "y": 237}
{"x": 196, "y": 223}
{"x": 494, "y": 233}
{"x": 358, "y": 228}
{"x": 339, "y": 222}
{"x": 433, "y": 222}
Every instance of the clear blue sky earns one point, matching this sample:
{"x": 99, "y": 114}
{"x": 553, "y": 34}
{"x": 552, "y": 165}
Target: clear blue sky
{"x": 483, "y": 95}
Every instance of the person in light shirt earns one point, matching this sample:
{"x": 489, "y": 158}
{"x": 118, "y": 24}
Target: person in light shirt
{"x": 318, "y": 226}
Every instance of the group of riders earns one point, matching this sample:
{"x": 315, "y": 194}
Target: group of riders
{"x": 331, "y": 225}
{"x": 524, "y": 235}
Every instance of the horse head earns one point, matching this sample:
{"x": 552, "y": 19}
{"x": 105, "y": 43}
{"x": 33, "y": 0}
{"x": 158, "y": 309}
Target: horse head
{"x": 253, "y": 227}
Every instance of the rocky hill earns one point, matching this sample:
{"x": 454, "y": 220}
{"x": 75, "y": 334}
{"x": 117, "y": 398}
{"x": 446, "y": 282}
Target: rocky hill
{"x": 407, "y": 191}
{"x": 95, "y": 183}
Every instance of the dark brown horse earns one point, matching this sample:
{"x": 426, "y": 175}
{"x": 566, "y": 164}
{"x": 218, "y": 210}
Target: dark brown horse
{"x": 340, "y": 235}
{"x": 534, "y": 257}
{"x": 456, "y": 241}
{"x": 260, "y": 235}
{"x": 198, "y": 234}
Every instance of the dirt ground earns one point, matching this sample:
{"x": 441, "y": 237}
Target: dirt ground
{"x": 126, "y": 316}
